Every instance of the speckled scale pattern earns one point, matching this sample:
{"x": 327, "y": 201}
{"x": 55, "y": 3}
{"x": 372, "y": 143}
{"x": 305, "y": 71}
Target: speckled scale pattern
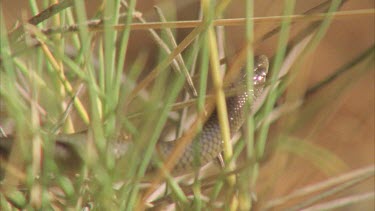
{"x": 208, "y": 144}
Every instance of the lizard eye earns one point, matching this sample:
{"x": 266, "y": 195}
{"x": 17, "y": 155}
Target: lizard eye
{"x": 259, "y": 76}
{"x": 260, "y": 70}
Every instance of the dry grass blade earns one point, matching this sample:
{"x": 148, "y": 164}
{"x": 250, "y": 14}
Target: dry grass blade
{"x": 178, "y": 63}
{"x": 44, "y": 15}
{"x": 219, "y": 22}
{"x": 332, "y": 191}
{"x": 180, "y": 67}
{"x": 360, "y": 173}
{"x": 336, "y": 204}
{"x": 340, "y": 71}
{"x": 161, "y": 66}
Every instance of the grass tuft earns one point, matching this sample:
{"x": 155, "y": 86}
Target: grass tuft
{"x": 71, "y": 67}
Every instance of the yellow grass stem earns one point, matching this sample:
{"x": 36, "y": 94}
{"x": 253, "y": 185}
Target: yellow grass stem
{"x": 68, "y": 87}
{"x": 97, "y": 26}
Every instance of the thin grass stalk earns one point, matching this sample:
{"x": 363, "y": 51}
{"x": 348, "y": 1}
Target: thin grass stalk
{"x": 216, "y": 191}
{"x": 192, "y": 24}
{"x": 245, "y": 186}
{"x": 64, "y": 87}
{"x": 15, "y": 107}
{"x": 113, "y": 73}
{"x": 299, "y": 38}
{"x": 62, "y": 79}
{"x": 130, "y": 170}
{"x": 331, "y": 96}
{"x": 114, "y": 92}
{"x": 342, "y": 202}
{"x": 177, "y": 191}
{"x": 45, "y": 147}
{"x": 153, "y": 138}
{"x": 329, "y": 192}
{"x": 220, "y": 101}
{"x": 203, "y": 86}
{"x": 110, "y": 15}
{"x": 175, "y": 63}
{"x": 96, "y": 133}
{"x": 123, "y": 46}
{"x": 131, "y": 78}
{"x": 249, "y": 136}
{"x": 312, "y": 11}
{"x": 281, "y": 49}
{"x": 74, "y": 67}
{"x": 340, "y": 71}
{"x": 191, "y": 64}
{"x": 339, "y": 15}
{"x": 25, "y": 71}
{"x": 340, "y": 86}
{"x": 200, "y": 46}
{"x": 85, "y": 39}
{"x": 33, "y": 7}
{"x": 186, "y": 139}
{"x": 311, "y": 46}
{"x": 36, "y": 193}
{"x": 101, "y": 71}
{"x": 163, "y": 64}
{"x": 221, "y": 107}
{"x": 74, "y": 37}
{"x": 59, "y": 43}
{"x": 368, "y": 170}
{"x": 143, "y": 142}
{"x": 203, "y": 72}
{"x": 45, "y": 14}
{"x": 181, "y": 67}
